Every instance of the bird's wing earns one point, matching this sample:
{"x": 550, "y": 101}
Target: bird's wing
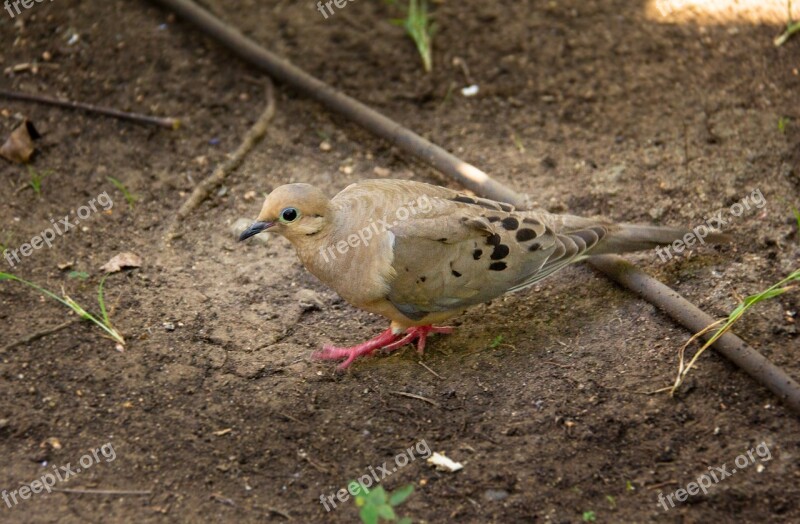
{"x": 467, "y": 251}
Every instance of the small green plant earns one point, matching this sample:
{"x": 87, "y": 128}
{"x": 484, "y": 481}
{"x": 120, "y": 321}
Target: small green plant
{"x": 612, "y": 502}
{"x": 496, "y": 342}
{"x": 6, "y": 243}
{"x": 37, "y": 178}
{"x": 103, "y": 323}
{"x": 773, "y": 291}
{"x": 130, "y": 198}
{"x": 589, "y": 516}
{"x": 78, "y": 275}
{"x": 792, "y": 27}
{"x": 376, "y": 504}
{"x": 420, "y": 28}
{"x": 783, "y": 123}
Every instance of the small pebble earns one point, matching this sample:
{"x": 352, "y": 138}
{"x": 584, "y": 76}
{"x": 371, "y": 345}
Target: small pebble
{"x": 495, "y": 494}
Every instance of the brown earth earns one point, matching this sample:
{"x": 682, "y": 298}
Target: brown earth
{"x": 590, "y": 107}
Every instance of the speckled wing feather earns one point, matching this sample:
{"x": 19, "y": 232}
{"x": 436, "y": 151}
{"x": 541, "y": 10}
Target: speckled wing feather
{"x": 466, "y": 251}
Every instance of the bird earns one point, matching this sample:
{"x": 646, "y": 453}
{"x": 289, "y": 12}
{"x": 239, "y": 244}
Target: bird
{"x": 420, "y": 254}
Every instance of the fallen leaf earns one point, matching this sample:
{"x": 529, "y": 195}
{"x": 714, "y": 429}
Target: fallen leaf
{"x": 223, "y": 432}
{"x": 122, "y": 261}
{"x": 443, "y": 463}
{"x": 52, "y": 442}
{"x": 18, "y": 148}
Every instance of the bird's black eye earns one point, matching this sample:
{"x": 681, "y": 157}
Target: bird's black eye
{"x": 289, "y": 214}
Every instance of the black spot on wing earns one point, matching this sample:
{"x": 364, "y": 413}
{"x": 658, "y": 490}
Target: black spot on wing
{"x": 510, "y": 223}
{"x": 455, "y": 273}
{"x": 477, "y": 254}
{"x": 500, "y": 252}
{"x": 493, "y": 239}
{"x": 525, "y": 234}
{"x": 498, "y": 266}
{"x": 535, "y": 246}
{"x": 505, "y": 207}
{"x": 494, "y": 219}
{"x": 464, "y": 199}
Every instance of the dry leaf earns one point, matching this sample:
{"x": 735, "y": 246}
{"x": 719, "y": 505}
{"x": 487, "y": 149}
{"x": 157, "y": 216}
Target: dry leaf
{"x": 443, "y": 463}
{"x": 19, "y": 146}
{"x": 122, "y": 261}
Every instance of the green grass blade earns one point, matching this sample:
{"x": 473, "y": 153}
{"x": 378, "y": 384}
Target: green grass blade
{"x": 71, "y": 304}
{"x": 102, "y": 302}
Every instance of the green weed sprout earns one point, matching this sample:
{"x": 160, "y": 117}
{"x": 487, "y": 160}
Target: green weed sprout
{"x": 130, "y": 198}
{"x": 792, "y": 27}
{"x": 773, "y": 291}
{"x": 419, "y": 27}
{"x": 376, "y": 504}
{"x": 37, "y": 178}
{"x": 103, "y": 323}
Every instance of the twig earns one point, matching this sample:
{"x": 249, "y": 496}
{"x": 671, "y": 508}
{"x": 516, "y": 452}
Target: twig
{"x": 204, "y": 188}
{"x": 39, "y": 334}
{"x": 421, "y": 363}
{"x": 319, "y": 467}
{"x": 417, "y": 397}
{"x": 661, "y": 484}
{"x": 171, "y": 123}
{"x": 279, "y": 512}
{"x": 616, "y": 268}
{"x": 103, "y": 492}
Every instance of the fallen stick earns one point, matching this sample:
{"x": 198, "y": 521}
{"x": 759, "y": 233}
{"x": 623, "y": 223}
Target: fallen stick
{"x": 616, "y": 268}
{"x": 39, "y": 334}
{"x": 102, "y": 492}
{"x": 204, "y": 188}
{"x": 171, "y": 123}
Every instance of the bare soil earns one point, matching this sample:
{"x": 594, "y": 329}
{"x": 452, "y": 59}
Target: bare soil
{"x": 591, "y": 107}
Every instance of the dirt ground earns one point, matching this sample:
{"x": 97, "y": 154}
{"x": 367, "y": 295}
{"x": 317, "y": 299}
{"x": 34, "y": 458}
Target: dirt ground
{"x": 216, "y": 409}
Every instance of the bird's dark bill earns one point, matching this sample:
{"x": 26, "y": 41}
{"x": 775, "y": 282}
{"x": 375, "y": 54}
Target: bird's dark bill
{"x": 254, "y": 229}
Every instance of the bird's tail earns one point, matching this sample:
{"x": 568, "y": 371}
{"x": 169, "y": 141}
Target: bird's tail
{"x": 622, "y": 238}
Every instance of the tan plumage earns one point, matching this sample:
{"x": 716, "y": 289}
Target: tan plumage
{"x": 419, "y": 254}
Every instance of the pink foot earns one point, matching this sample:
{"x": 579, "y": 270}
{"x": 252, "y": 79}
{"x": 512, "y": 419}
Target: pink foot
{"x": 387, "y": 340}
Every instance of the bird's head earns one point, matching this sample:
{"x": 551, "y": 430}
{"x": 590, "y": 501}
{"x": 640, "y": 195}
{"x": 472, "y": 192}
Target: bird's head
{"x": 292, "y": 210}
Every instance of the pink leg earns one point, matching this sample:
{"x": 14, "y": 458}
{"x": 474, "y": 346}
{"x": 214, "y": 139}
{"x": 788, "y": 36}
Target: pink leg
{"x": 419, "y": 333}
{"x": 387, "y": 340}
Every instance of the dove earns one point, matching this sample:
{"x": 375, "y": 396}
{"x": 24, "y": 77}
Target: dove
{"x": 419, "y": 254}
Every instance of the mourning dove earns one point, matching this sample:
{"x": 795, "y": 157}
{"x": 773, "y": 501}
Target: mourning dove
{"x": 419, "y": 254}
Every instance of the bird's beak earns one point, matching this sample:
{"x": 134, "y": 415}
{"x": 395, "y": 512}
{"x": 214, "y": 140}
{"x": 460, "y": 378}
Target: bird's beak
{"x": 254, "y": 229}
